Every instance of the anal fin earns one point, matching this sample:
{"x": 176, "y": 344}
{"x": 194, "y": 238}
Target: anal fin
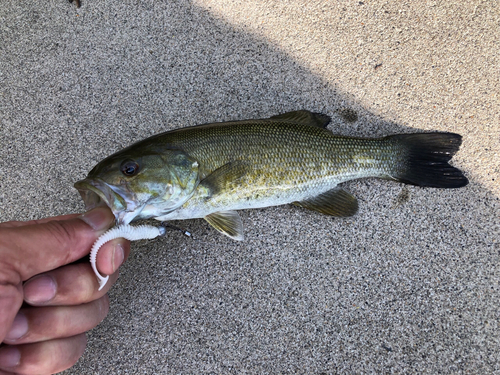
{"x": 335, "y": 202}
{"x": 228, "y": 223}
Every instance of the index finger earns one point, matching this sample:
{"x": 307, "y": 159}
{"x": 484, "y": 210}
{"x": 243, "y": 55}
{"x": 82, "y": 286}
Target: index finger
{"x": 35, "y": 248}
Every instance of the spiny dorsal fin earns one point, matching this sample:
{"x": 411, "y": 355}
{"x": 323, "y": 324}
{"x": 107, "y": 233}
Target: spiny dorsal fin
{"x": 336, "y": 202}
{"x": 225, "y": 177}
{"x": 305, "y": 117}
{"x": 228, "y": 223}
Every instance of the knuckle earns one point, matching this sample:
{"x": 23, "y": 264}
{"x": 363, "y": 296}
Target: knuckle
{"x": 51, "y": 356}
{"x": 75, "y": 284}
{"x": 61, "y": 231}
{"x": 64, "y": 235}
{"x": 103, "y": 306}
{"x": 84, "y": 287}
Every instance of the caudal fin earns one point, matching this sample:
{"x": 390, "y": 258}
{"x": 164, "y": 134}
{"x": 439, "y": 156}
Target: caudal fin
{"x": 426, "y": 160}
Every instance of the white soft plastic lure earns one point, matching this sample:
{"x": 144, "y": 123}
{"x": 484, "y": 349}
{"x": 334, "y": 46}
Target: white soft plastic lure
{"x": 141, "y": 232}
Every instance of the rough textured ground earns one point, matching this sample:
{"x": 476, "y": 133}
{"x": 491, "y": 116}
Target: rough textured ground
{"x": 410, "y": 284}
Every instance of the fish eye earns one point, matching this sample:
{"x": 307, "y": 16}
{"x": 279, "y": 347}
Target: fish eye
{"x": 129, "y": 168}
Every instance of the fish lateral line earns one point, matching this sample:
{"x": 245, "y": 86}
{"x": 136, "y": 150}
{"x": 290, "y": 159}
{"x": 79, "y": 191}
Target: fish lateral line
{"x": 211, "y": 171}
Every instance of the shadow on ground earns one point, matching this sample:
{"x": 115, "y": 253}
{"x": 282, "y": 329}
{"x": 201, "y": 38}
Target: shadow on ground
{"x": 409, "y": 284}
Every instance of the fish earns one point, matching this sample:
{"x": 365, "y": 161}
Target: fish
{"x": 211, "y": 171}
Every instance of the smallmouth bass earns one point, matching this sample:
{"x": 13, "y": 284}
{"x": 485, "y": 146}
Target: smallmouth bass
{"x": 210, "y": 171}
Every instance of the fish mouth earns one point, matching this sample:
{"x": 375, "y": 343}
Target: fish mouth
{"x": 97, "y": 193}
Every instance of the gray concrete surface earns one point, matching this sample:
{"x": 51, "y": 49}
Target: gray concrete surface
{"x": 409, "y": 285}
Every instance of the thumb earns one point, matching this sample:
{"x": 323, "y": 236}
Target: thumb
{"x": 32, "y": 249}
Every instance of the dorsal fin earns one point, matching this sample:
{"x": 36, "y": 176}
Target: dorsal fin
{"x": 305, "y": 117}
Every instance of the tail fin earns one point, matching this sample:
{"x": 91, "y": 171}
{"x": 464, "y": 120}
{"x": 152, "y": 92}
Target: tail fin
{"x": 426, "y": 159}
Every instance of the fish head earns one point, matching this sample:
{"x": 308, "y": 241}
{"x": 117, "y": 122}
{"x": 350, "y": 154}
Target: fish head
{"x": 138, "y": 185}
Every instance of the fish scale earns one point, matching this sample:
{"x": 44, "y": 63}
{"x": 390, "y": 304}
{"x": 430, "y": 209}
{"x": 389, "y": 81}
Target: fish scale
{"x": 210, "y": 171}
{"x": 287, "y": 162}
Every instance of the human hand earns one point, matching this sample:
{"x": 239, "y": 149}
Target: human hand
{"x": 46, "y": 334}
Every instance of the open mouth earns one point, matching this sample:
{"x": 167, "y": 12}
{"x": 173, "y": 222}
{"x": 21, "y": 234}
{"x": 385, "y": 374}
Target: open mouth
{"x": 96, "y": 193}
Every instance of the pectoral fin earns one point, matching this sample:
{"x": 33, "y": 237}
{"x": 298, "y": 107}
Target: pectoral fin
{"x": 225, "y": 177}
{"x": 228, "y": 223}
{"x": 336, "y": 202}
{"x": 305, "y": 117}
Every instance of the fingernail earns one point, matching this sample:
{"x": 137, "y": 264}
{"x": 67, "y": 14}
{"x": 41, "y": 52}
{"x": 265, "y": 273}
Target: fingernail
{"x": 19, "y": 327}
{"x": 98, "y": 218}
{"x": 40, "y": 289}
{"x": 9, "y": 357}
{"x": 118, "y": 256}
